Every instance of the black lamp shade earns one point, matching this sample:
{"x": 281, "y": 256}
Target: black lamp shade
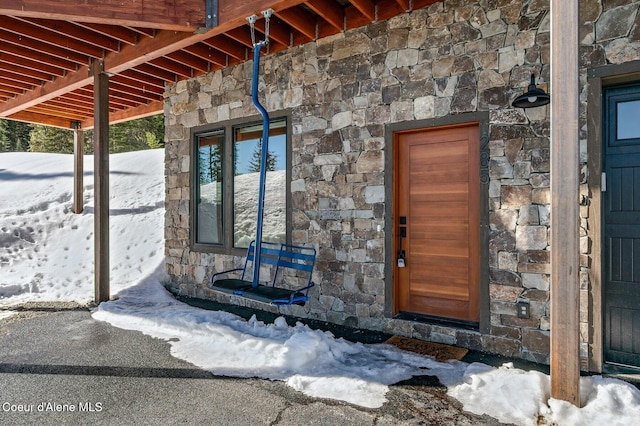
{"x": 533, "y": 97}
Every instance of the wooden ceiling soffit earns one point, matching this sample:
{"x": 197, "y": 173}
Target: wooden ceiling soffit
{"x": 184, "y": 15}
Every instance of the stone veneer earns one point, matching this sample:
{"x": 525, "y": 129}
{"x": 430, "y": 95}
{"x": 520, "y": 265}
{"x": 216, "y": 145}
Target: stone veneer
{"x": 453, "y": 57}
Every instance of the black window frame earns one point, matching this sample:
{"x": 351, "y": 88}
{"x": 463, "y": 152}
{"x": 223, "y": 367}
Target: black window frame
{"x": 229, "y": 127}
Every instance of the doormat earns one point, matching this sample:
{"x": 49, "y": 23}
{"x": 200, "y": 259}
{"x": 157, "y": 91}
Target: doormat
{"x": 439, "y": 351}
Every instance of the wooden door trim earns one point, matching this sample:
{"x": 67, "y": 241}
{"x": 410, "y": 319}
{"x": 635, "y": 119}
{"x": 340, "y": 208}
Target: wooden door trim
{"x": 482, "y": 120}
{"x": 597, "y": 80}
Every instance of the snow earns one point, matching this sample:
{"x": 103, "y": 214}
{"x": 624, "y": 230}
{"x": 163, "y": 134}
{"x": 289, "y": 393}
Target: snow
{"x": 46, "y": 254}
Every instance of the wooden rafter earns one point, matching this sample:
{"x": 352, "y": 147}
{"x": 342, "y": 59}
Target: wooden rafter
{"x": 121, "y": 34}
{"x": 227, "y": 46}
{"x": 367, "y": 7}
{"x": 187, "y": 59}
{"x": 329, "y": 10}
{"x": 140, "y": 111}
{"x": 67, "y": 29}
{"x": 186, "y": 15}
{"x": 23, "y": 28}
{"x": 13, "y": 47}
{"x": 405, "y": 4}
{"x": 6, "y": 81}
{"x": 46, "y": 119}
{"x": 143, "y": 79}
{"x": 208, "y": 54}
{"x": 300, "y": 19}
{"x": 29, "y": 63}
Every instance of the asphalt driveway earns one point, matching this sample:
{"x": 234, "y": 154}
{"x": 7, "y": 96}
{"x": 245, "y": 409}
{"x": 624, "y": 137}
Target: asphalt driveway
{"x": 60, "y": 366}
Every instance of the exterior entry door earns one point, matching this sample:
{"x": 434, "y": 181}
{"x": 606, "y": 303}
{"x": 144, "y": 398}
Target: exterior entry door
{"x": 621, "y": 197}
{"x": 437, "y": 222}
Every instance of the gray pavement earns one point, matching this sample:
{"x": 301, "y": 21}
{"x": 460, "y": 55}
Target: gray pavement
{"x": 60, "y": 366}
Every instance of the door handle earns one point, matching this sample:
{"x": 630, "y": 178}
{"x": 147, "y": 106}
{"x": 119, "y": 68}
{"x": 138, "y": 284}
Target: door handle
{"x": 401, "y": 254}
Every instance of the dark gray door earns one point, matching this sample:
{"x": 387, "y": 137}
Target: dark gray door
{"x": 622, "y": 225}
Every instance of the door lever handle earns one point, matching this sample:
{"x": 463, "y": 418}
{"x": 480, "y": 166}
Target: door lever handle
{"x": 401, "y": 254}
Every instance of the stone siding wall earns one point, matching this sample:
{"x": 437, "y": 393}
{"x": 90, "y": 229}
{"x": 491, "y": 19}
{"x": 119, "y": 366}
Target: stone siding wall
{"x": 450, "y": 58}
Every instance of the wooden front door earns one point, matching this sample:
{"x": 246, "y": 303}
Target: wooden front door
{"x": 622, "y": 226}
{"x": 437, "y": 222}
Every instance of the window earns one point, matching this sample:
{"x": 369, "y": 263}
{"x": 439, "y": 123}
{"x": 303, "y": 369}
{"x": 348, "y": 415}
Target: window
{"x": 226, "y": 190}
{"x": 209, "y": 191}
{"x": 628, "y": 120}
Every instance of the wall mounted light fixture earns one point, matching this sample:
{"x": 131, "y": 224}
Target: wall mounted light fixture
{"x": 533, "y": 97}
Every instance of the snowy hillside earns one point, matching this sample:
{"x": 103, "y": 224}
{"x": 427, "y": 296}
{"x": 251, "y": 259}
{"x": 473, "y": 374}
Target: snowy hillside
{"x": 46, "y": 251}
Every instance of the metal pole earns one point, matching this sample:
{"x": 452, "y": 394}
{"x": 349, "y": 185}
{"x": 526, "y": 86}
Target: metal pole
{"x": 263, "y": 160}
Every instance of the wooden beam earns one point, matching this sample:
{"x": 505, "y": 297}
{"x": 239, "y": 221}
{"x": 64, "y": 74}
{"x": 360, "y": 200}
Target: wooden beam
{"x": 234, "y": 13}
{"x": 78, "y": 169}
{"x": 47, "y": 120}
{"x": 207, "y": 53}
{"x": 135, "y": 84}
{"x": 26, "y": 29}
{"x": 301, "y": 20}
{"x": 68, "y": 29}
{"x": 277, "y": 32}
{"x": 185, "y": 58}
{"x": 38, "y": 46}
{"x": 101, "y": 180}
{"x": 565, "y": 262}
{"x": 121, "y": 34}
{"x": 152, "y": 108}
{"x": 33, "y": 64}
{"x": 367, "y": 8}
{"x": 36, "y": 55}
{"x": 185, "y": 15}
{"x": 405, "y": 4}
{"x": 227, "y": 46}
{"x": 12, "y": 68}
{"x": 330, "y": 11}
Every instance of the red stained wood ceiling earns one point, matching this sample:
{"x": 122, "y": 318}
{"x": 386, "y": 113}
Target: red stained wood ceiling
{"x": 46, "y": 47}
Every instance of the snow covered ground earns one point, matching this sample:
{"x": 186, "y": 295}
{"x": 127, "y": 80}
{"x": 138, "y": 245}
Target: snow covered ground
{"x": 46, "y": 254}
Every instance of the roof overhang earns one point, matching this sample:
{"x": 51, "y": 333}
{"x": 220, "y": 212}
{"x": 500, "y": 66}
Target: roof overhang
{"x": 47, "y": 47}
